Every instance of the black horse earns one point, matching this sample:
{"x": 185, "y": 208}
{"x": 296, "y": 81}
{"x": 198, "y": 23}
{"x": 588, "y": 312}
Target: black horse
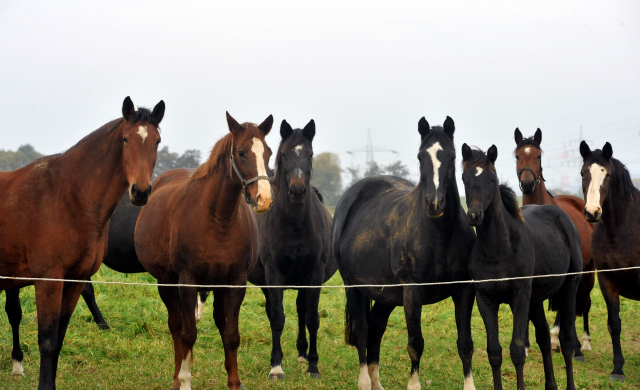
{"x": 514, "y": 242}
{"x": 613, "y": 202}
{"x": 295, "y": 246}
{"x": 388, "y": 231}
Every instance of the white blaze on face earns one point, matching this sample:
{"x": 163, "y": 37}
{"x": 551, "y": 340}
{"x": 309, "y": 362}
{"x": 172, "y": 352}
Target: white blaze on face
{"x": 479, "y": 171}
{"x": 142, "y": 131}
{"x": 298, "y": 173}
{"x": 298, "y": 149}
{"x": 414, "y": 382}
{"x": 598, "y": 174}
{"x": 264, "y": 189}
{"x": 17, "y": 368}
{"x": 527, "y": 150}
{"x": 364, "y": 382}
{"x": 184, "y": 376}
{"x": 433, "y": 151}
{"x": 468, "y": 382}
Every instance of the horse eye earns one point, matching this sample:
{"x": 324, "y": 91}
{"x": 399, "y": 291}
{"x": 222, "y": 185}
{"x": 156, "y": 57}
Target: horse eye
{"x": 606, "y": 176}
{"x": 157, "y": 143}
{"x": 126, "y": 141}
{"x": 241, "y": 154}
{"x": 582, "y": 174}
{"x": 284, "y": 156}
{"x": 517, "y": 157}
{"x": 538, "y": 157}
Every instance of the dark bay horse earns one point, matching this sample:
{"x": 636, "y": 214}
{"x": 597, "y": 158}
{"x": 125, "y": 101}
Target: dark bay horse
{"x": 613, "y": 203}
{"x": 388, "y": 231}
{"x": 54, "y": 217}
{"x": 198, "y": 229}
{"x": 295, "y": 246}
{"x": 529, "y": 168}
{"x": 514, "y": 242}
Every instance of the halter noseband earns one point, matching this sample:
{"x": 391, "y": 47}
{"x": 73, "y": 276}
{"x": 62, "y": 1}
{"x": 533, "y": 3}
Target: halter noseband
{"x": 244, "y": 182}
{"x": 535, "y": 183}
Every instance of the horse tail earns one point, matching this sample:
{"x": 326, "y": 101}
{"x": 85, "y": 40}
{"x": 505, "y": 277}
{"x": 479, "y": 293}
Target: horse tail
{"x": 357, "y": 309}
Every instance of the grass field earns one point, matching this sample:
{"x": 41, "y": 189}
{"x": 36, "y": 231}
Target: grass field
{"x": 137, "y": 352}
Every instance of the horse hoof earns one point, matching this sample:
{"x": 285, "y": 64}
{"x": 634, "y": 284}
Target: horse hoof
{"x": 104, "y": 326}
{"x": 302, "y": 359}
{"x": 314, "y": 375}
{"x": 274, "y": 377}
{"x": 579, "y": 359}
{"x": 616, "y": 377}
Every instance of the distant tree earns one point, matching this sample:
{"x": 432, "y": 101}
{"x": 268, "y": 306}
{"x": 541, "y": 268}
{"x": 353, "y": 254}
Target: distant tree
{"x": 373, "y": 169}
{"x": 327, "y": 176}
{"x": 10, "y": 160}
{"x": 397, "y": 169}
{"x": 168, "y": 160}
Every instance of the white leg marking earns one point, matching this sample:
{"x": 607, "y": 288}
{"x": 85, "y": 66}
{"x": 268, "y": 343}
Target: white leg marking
{"x": 298, "y": 149}
{"x": 275, "y": 371}
{"x": 142, "y": 131}
{"x": 526, "y": 352}
{"x": 586, "y": 342}
{"x": 468, "y": 382}
{"x": 479, "y": 171}
{"x": 264, "y": 189}
{"x": 414, "y": 382}
{"x": 598, "y": 174}
{"x": 17, "y": 368}
{"x": 199, "y": 310}
{"x": 527, "y": 150}
{"x": 374, "y": 374}
{"x": 364, "y": 382}
{"x": 184, "y": 376}
{"x": 555, "y": 343}
{"x": 433, "y": 151}
{"x": 301, "y": 359}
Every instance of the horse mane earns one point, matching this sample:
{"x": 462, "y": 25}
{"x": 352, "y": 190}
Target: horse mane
{"x": 478, "y": 159}
{"x": 622, "y": 180}
{"x": 143, "y": 114}
{"x": 527, "y": 141}
{"x": 510, "y": 201}
{"x": 296, "y": 138}
{"x": 220, "y": 151}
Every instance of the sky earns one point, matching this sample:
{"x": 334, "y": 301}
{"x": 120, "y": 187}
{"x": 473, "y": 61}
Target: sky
{"x": 352, "y": 66}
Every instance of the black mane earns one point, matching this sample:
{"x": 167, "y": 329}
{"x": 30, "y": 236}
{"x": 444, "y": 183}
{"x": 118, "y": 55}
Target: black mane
{"x": 528, "y": 141}
{"x": 510, "y": 201}
{"x": 143, "y": 114}
{"x": 478, "y": 159}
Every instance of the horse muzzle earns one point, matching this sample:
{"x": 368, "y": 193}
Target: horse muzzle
{"x": 138, "y": 197}
{"x": 435, "y": 208}
{"x": 592, "y": 217}
{"x": 474, "y": 217}
{"x": 527, "y": 186}
{"x": 297, "y": 193}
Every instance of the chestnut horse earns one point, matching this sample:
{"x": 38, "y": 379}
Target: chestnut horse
{"x": 197, "y": 229}
{"x": 54, "y": 218}
{"x": 529, "y": 167}
{"x": 613, "y": 203}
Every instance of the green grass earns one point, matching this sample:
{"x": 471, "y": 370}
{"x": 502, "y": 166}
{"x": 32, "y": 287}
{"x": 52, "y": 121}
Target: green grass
{"x": 137, "y": 352}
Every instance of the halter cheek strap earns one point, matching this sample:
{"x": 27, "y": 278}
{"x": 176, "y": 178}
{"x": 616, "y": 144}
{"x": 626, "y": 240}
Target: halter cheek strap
{"x": 535, "y": 183}
{"x": 243, "y": 182}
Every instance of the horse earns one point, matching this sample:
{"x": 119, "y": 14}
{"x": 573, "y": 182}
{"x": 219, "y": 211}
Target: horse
{"x": 514, "y": 242}
{"x": 196, "y": 229}
{"x": 121, "y": 257}
{"x": 54, "y": 217}
{"x": 532, "y": 184}
{"x": 388, "y": 231}
{"x": 613, "y": 204}
{"x": 295, "y": 246}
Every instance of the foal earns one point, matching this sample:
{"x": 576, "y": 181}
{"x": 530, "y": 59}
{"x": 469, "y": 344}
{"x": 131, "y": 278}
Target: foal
{"x": 197, "y": 229}
{"x": 54, "y": 217}
{"x": 529, "y": 167}
{"x": 613, "y": 203}
{"x": 511, "y": 242}
{"x": 295, "y": 246}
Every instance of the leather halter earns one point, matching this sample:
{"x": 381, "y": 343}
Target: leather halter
{"x": 244, "y": 182}
{"x": 535, "y": 183}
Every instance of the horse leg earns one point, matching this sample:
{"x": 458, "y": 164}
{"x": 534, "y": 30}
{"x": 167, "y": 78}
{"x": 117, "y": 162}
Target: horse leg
{"x": 70, "y": 295}
{"x": 226, "y": 312}
{"x": 612, "y": 299}
{"x": 520, "y": 311}
{"x": 267, "y": 305}
{"x": 555, "y": 332}
{"x": 357, "y": 332}
{"x": 90, "y": 298}
{"x": 489, "y": 312}
{"x": 463, "y": 307}
{"x": 188, "y": 300}
{"x": 14, "y": 313}
{"x": 48, "y": 305}
{"x": 412, "y": 303}
{"x": 301, "y": 343}
{"x": 277, "y": 325}
{"x": 584, "y": 296}
{"x": 378, "y": 318}
{"x": 567, "y": 314}
{"x": 171, "y": 300}
{"x": 536, "y": 314}
{"x": 202, "y": 298}
{"x": 312, "y": 320}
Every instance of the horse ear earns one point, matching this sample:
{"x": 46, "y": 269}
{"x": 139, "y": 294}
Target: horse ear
{"x": 492, "y": 153}
{"x": 518, "y": 136}
{"x": 537, "y": 137}
{"x": 128, "y": 110}
{"x": 309, "y": 130}
{"x": 466, "y": 152}
{"x": 158, "y": 112}
{"x": 607, "y": 151}
{"x": 449, "y": 127}
{"x": 285, "y": 130}
{"x": 234, "y": 127}
{"x": 585, "y": 151}
{"x": 423, "y": 127}
{"x": 265, "y": 126}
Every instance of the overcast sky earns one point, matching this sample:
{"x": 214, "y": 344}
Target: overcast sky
{"x": 66, "y": 66}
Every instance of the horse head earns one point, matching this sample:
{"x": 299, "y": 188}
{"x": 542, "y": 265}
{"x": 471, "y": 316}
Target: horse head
{"x": 528, "y": 161}
{"x": 596, "y": 170}
{"x": 294, "y": 160}
{"x": 480, "y": 181}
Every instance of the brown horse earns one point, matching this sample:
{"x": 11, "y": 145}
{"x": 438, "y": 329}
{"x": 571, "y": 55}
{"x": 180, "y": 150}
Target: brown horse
{"x": 54, "y": 218}
{"x": 613, "y": 203}
{"x": 528, "y": 163}
{"x": 197, "y": 230}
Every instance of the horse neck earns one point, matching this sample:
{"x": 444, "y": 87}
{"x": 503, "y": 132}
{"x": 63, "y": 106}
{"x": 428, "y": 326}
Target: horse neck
{"x": 94, "y": 171}
{"x": 539, "y": 196}
{"x": 493, "y": 233}
{"x": 617, "y": 208}
{"x": 221, "y": 194}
